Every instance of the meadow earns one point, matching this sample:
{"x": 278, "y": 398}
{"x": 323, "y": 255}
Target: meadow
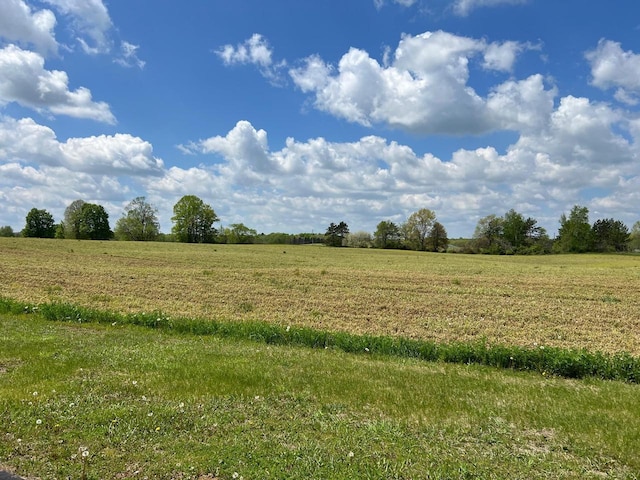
{"x": 568, "y": 301}
{"x": 88, "y": 400}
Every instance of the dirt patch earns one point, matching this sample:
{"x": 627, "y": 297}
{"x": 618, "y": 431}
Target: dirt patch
{"x": 6, "y": 366}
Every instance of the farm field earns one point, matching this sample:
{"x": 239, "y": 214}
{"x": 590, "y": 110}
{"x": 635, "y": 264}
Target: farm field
{"x": 570, "y": 301}
{"x": 102, "y": 401}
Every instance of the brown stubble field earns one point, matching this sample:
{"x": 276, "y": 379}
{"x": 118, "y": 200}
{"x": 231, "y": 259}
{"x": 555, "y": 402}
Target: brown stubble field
{"x": 574, "y": 301}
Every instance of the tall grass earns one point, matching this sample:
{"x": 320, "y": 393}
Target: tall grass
{"x": 568, "y": 363}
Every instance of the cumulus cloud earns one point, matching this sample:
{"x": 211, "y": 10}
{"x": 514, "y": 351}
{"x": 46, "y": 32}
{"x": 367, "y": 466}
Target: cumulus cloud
{"x": 253, "y": 51}
{"x": 20, "y": 24}
{"x": 26, "y": 141}
{"x": 464, "y": 7}
{"x": 580, "y": 146}
{"x": 576, "y": 147}
{"x": 91, "y": 22}
{"x": 424, "y": 88}
{"x": 25, "y": 81}
{"x": 502, "y": 56}
{"x": 612, "y": 67}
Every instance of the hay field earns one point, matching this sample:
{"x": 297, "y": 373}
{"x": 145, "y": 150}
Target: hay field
{"x": 577, "y": 301}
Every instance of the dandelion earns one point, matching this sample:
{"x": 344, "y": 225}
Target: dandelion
{"x": 157, "y": 429}
{"x": 351, "y": 454}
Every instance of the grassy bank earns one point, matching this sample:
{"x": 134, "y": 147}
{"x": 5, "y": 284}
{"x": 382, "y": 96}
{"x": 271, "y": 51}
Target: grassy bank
{"x": 152, "y": 403}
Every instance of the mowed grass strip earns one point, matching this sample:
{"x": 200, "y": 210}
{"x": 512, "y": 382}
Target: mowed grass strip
{"x": 147, "y": 403}
{"x": 567, "y": 301}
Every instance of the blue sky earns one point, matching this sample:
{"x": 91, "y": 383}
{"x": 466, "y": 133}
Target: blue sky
{"x": 289, "y": 115}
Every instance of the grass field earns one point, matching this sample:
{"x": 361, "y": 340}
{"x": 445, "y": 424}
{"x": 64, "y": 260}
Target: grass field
{"x": 118, "y": 401}
{"x": 570, "y": 301}
{"x": 143, "y": 403}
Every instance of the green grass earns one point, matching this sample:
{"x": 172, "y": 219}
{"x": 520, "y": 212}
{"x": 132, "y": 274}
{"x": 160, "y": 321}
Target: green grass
{"x": 570, "y": 363}
{"x": 159, "y": 404}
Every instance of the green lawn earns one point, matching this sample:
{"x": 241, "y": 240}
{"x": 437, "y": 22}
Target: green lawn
{"x": 154, "y": 404}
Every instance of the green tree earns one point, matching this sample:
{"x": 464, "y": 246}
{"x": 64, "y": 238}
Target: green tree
{"x": 139, "y": 223}
{"x": 523, "y": 235}
{"x": 193, "y": 220}
{"x": 335, "y": 235}
{"x": 387, "y": 235}
{"x": 515, "y": 229}
{"x": 488, "y": 235}
{"x": 574, "y": 235}
{"x": 94, "y": 223}
{"x": 239, "y": 233}
{"x": 71, "y": 223}
{"x": 39, "y": 224}
{"x": 417, "y": 228}
{"x": 609, "y": 235}
{"x": 6, "y": 231}
{"x": 634, "y": 237}
{"x": 437, "y": 239}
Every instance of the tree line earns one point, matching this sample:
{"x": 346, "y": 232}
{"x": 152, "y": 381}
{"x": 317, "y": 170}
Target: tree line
{"x": 193, "y": 222}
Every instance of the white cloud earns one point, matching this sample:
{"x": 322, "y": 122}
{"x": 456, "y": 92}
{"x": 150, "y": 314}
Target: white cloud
{"x": 542, "y": 174}
{"x": 253, "y": 51}
{"x": 91, "y": 22}
{"x": 423, "y": 89}
{"x": 464, "y": 7}
{"x": 574, "y": 148}
{"x": 612, "y": 67}
{"x": 502, "y": 56}
{"x": 405, "y": 3}
{"x": 522, "y": 105}
{"x": 20, "y": 24}
{"x": 26, "y": 141}
{"x": 27, "y": 82}
{"x": 129, "y": 56}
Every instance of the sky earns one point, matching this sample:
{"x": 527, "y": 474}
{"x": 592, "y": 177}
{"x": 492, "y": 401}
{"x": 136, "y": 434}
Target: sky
{"x": 288, "y": 115}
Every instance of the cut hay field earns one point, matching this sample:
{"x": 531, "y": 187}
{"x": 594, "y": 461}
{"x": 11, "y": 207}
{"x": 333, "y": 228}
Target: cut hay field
{"x": 576, "y": 301}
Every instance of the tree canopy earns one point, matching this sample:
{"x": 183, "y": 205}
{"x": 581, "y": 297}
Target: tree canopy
{"x": 139, "y": 223}
{"x": 71, "y": 224}
{"x": 40, "y": 224}
{"x": 418, "y": 227}
{"x": 193, "y": 220}
{"x": 574, "y": 235}
{"x": 6, "y": 231}
{"x": 94, "y": 223}
{"x": 387, "y": 235}
{"x": 336, "y": 234}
